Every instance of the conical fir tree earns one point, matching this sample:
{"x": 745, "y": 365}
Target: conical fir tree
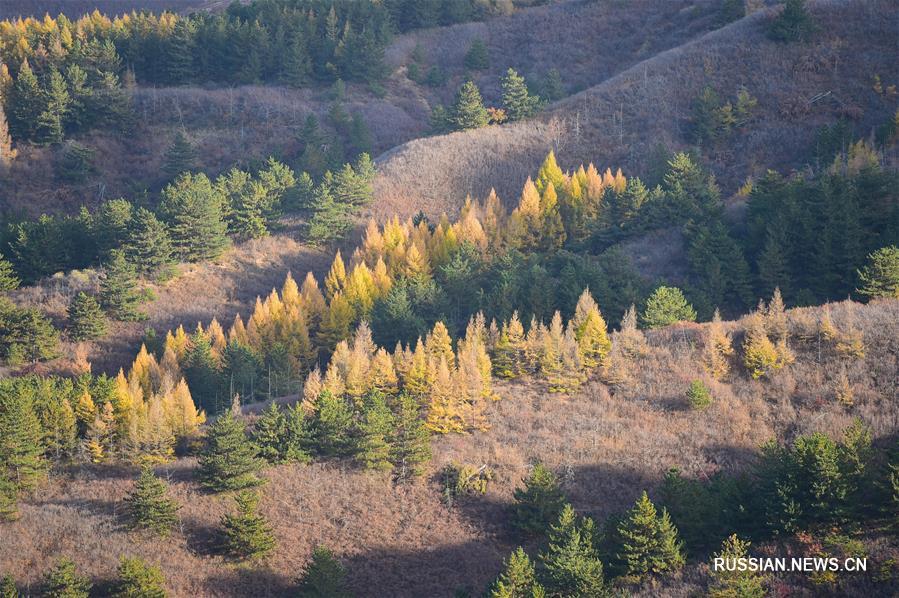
{"x": 192, "y": 208}
{"x": 180, "y": 157}
{"x": 8, "y": 279}
{"x": 56, "y": 108}
{"x": 410, "y": 441}
{"x": 9, "y": 508}
{"x": 63, "y": 581}
{"x": 324, "y": 576}
{"x": 86, "y": 319}
{"x": 8, "y": 587}
{"x": 517, "y": 102}
{"x": 469, "y": 111}
{"x": 7, "y": 153}
{"x": 138, "y": 579}
{"x": 26, "y": 103}
{"x": 21, "y": 449}
{"x": 539, "y": 503}
{"x": 518, "y": 580}
{"x": 149, "y": 506}
{"x": 119, "y": 294}
{"x": 377, "y": 425}
{"x": 247, "y": 534}
{"x": 736, "y": 584}
{"x": 228, "y": 462}
{"x": 571, "y": 563}
{"x": 149, "y": 246}
{"x": 648, "y": 541}
{"x": 269, "y": 434}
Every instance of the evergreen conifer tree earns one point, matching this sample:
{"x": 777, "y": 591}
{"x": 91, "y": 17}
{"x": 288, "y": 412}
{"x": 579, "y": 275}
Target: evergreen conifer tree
{"x": 332, "y": 425}
{"x": 149, "y": 506}
{"x": 517, "y": 102}
{"x": 9, "y": 281}
{"x": 698, "y": 395}
{"x": 736, "y": 584}
{"x": 469, "y": 111}
{"x": 63, "y": 581}
{"x": 228, "y": 462}
{"x": 648, "y": 540}
{"x": 552, "y": 88}
{"x": 8, "y": 587}
{"x": 477, "y": 58}
{"x": 376, "y": 429}
{"x": 192, "y": 208}
{"x": 149, "y": 246}
{"x": 539, "y": 503}
{"x": 137, "y": 579}
{"x": 570, "y": 562}
{"x": 180, "y": 157}
{"x": 880, "y": 276}
{"x": 324, "y": 576}
{"x": 793, "y": 23}
{"x": 9, "y": 494}
{"x": 518, "y": 579}
{"x": 51, "y": 122}
{"x": 269, "y": 434}
{"x": 26, "y": 103}
{"x": 667, "y": 305}
{"x": 86, "y": 318}
{"x": 247, "y": 535}
{"x": 119, "y": 293}
{"x": 410, "y": 441}
{"x": 21, "y": 450}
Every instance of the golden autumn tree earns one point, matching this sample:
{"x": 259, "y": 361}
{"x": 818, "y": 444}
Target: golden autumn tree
{"x": 717, "y": 349}
{"x": 336, "y": 278}
{"x": 590, "y": 331}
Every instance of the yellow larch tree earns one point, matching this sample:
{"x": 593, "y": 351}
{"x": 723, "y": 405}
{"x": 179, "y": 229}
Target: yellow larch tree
{"x": 382, "y": 373}
{"x": 590, "y": 331}
{"x": 446, "y": 409}
{"x": 336, "y": 278}
{"x": 717, "y": 349}
{"x": 439, "y": 345}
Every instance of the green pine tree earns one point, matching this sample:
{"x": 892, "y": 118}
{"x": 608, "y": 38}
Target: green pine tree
{"x": 296, "y": 435}
{"x": 193, "y": 210}
{"x": 410, "y": 441}
{"x": 377, "y": 426}
{"x": 75, "y": 164}
{"x": 21, "y": 449}
{"x": 9, "y": 495}
{"x": 517, "y": 102}
{"x": 332, "y": 219}
{"x": 228, "y": 461}
{"x": 247, "y": 535}
{"x": 324, "y": 576}
{"x": 8, "y": 587}
{"x": 51, "y": 122}
{"x": 667, "y": 305}
{"x": 648, "y": 541}
{"x": 8, "y": 279}
{"x": 698, "y": 395}
{"x": 880, "y": 276}
{"x": 477, "y": 58}
{"x": 137, "y": 579}
{"x": 25, "y": 334}
{"x": 518, "y": 580}
{"x": 180, "y": 157}
{"x": 332, "y": 426}
{"x": 149, "y": 506}
{"x": 736, "y": 584}
{"x": 63, "y": 581}
{"x": 119, "y": 292}
{"x": 26, "y": 104}
{"x": 468, "y": 110}
{"x": 570, "y": 562}
{"x": 86, "y": 318}
{"x": 793, "y": 24}
{"x": 553, "y": 89}
{"x": 539, "y": 504}
{"x": 269, "y": 434}
{"x": 149, "y": 246}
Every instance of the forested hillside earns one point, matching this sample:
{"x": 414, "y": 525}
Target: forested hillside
{"x": 616, "y": 302}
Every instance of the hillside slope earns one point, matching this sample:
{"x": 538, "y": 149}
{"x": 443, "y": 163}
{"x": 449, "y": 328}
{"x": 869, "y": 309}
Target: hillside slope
{"x": 607, "y": 443}
{"x": 620, "y": 122}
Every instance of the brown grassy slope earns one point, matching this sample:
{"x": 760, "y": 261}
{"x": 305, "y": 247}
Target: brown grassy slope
{"x": 607, "y": 444}
{"x": 620, "y": 121}
{"x": 587, "y": 42}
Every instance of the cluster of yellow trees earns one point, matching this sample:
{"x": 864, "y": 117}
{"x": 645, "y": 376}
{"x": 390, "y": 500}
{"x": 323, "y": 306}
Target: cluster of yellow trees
{"x": 149, "y": 411}
{"x": 453, "y": 385}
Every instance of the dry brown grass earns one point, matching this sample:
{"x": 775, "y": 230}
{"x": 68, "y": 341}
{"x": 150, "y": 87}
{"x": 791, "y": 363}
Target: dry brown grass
{"x": 606, "y": 444}
{"x": 620, "y": 121}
